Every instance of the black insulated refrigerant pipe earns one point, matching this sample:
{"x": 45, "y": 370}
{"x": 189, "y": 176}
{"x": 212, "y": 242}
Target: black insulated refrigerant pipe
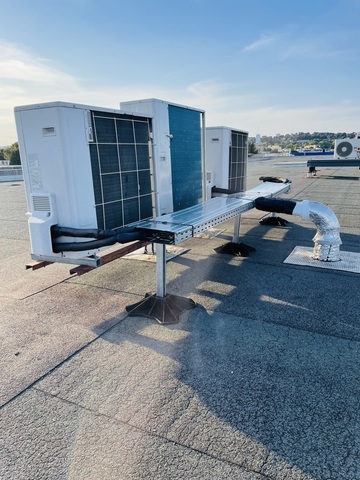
{"x": 275, "y": 179}
{"x": 103, "y": 238}
{"x": 57, "y": 231}
{"x": 222, "y": 190}
{"x": 275, "y": 205}
{"x": 226, "y": 191}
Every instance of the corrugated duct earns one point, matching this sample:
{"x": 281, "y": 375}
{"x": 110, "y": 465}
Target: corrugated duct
{"x": 327, "y": 239}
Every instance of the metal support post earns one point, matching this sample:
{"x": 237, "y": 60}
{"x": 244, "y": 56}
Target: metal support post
{"x": 160, "y": 270}
{"x": 236, "y": 236}
{"x": 163, "y": 308}
{"x": 178, "y": 226}
{"x": 235, "y": 247}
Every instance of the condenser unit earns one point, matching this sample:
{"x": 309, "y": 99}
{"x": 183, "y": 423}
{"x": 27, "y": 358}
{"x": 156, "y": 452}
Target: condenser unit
{"x": 84, "y": 168}
{"x": 178, "y": 152}
{"x": 347, "y": 148}
{"x": 226, "y": 159}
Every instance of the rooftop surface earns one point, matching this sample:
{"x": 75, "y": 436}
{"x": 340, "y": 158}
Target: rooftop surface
{"x": 260, "y": 381}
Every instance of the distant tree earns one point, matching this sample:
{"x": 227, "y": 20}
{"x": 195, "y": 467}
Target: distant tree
{"x": 296, "y": 141}
{"x": 2, "y": 155}
{"x": 325, "y": 144}
{"x": 12, "y": 154}
{"x": 252, "y": 148}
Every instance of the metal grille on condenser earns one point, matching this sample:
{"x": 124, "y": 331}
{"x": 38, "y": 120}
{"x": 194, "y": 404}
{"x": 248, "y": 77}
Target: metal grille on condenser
{"x": 120, "y": 161}
{"x": 185, "y": 147}
{"x": 238, "y": 162}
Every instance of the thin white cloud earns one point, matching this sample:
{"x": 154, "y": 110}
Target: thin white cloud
{"x": 289, "y": 42}
{"x": 275, "y": 119}
{"x": 17, "y": 64}
{"x": 262, "y": 42}
{"x": 26, "y": 79}
{"x": 232, "y": 106}
{"x": 314, "y": 48}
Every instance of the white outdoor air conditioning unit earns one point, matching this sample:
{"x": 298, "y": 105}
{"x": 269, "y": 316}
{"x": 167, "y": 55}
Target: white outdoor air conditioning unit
{"x": 178, "y": 148}
{"x": 226, "y": 159}
{"x": 347, "y": 148}
{"x": 85, "y": 168}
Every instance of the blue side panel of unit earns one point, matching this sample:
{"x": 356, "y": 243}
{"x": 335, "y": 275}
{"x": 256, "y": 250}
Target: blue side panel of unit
{"x": 185, "y": 149}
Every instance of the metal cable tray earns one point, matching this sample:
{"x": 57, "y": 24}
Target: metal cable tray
{"x": 174, "y": 228}
{"x": 179, "y": 226}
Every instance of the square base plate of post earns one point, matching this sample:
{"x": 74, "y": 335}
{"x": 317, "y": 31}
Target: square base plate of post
{"x": 277, "y": 221}
{"x": 165, "y": 310}
{"x": 237, "y": 249}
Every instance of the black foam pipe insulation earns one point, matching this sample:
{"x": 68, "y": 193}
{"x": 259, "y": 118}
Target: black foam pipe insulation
{"x": 103, "y": 238}
{"x": 275, "y": 179}
{"x": 57, "y": 231}
{"x": 276, "y": 205}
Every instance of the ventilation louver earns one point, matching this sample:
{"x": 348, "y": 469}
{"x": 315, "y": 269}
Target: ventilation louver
{"x": 41, "y": 203}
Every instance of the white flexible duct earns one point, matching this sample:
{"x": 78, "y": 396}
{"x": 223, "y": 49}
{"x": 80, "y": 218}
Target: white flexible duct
{"x": 327, "y": 239}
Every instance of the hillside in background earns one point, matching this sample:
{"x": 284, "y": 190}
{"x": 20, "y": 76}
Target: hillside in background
{"x": 294, "y": 141}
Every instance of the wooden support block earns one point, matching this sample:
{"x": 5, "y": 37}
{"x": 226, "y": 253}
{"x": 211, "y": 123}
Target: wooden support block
{"x": 36, "y": 264}
{"x": 109, "y": 257}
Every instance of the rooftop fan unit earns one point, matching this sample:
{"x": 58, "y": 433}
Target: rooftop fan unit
{"x": 226, "y": 160}
{"x": 178, "y": 152}
{"x": 347, "y": 148}
{"x": 84, "y": 168}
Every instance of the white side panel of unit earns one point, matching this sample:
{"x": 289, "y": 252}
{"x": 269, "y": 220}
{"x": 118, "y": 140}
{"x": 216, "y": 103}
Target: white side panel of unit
{"x": 55, "y": 156}
{"x": 161, "y": 145}
{"x": 217, "y": 155}
{"x": 42, "y": 217}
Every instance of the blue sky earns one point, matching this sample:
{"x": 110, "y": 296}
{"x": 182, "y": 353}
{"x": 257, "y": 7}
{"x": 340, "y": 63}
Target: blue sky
{"x": 265, "y": 66}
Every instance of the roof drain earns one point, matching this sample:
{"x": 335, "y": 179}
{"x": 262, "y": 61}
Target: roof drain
{"x": 327, "y": 239}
